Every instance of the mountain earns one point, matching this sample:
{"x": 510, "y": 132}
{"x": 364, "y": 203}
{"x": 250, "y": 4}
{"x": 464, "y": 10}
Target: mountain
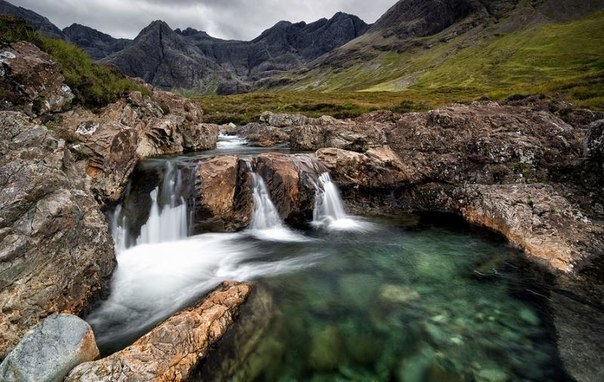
{"x": 193, "y": 60}
{"x": 96, "y": 44}
{"x": 162, "y": 57}
{"x": 230, "y": 66}
{"x": 468, "y": 48}
{"x": 37, "y": 21}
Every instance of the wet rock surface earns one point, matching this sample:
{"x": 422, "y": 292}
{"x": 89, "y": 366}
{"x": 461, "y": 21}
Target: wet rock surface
{"x": 172, "y": 350}
{"x": 55, "y": 248}
{"x": 132, "y": 129}
{"x": 50, "y": 350}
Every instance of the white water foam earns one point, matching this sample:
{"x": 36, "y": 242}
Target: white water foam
{"x": 266, "y": 224}
{"x": 230, "y": 141}
{"x": 329, "y": 210}
{"x": 152, "y": 281}
{"x": 165, "y": 223}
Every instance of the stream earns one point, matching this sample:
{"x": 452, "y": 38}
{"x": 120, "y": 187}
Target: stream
{"x": 350, "y": 298}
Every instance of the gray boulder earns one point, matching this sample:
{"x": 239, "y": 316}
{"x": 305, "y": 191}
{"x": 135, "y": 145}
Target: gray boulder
{"x": 50, "y": 350}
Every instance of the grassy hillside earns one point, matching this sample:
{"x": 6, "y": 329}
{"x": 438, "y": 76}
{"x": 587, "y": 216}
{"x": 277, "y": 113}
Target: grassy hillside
{"x": 94, "y": 85}
{"x": 562, "y": 59}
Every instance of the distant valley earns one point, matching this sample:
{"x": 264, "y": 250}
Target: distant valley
{"x": 454, "y": 49}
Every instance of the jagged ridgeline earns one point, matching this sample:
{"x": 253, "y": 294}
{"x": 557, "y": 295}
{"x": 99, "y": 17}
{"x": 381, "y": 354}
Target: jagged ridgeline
{"x": 93, "y": 85}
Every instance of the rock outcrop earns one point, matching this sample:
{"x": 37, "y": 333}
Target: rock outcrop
{"x": 132, "y": 129}
{"x": 55, "y": 248}
{"x": 50, "y": 350}
{"x": 32, "y": 81}
{"x": 486, "y": 162}
{"x": 171, "y": 350}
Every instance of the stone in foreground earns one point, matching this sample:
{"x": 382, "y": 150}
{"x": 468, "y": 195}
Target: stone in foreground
{"x": 50, "y": 350}
{"x": 171, "y": 351}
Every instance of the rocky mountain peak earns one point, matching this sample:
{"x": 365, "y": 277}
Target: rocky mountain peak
{"x": 37, "y": 21}
{"x": 416, "y": 18}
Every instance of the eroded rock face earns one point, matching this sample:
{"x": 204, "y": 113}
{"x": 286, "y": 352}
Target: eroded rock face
{"x": 224, "y": 190}
{"x": 536, "y": 217}
{"x": 132, "y": 129}
{"x": 33, "y": 80}
{"x": 50, "y": 350}
{"x": 355, "y": 135}
{"x": 55, "y": 248}
{"x": 171, "y": 350}
{"x": 291, "y": 182}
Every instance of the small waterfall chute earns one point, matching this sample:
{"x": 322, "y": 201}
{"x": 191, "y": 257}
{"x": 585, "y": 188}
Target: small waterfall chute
{"x": 168, "y": 217}
{"x": 329, "y": 212}
{"x": 266, "y": 224}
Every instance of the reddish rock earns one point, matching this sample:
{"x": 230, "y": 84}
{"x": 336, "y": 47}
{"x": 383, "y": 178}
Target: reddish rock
{"x": 171, "y": 350}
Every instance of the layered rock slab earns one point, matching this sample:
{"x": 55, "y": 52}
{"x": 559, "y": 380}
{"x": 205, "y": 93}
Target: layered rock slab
{"x": 171, "y": 350}
{"x": 55, "y": 248}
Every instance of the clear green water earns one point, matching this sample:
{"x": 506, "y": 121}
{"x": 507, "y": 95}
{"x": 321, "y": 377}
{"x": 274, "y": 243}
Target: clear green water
{"x": 397, "y": 303}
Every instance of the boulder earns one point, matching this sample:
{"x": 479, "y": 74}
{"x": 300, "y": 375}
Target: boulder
{"x": 376, "y": 168}
{"x": 358, "y": 135}
{"x": 50, "y": 350}
{"x": 34, "y": 81}
{"x": 55, "y": 248}
{"x": 537, "y": 218}
{"x": 171, "y": 351}
{"x": 291, "y": 181}
{"x": 225, "y": 195}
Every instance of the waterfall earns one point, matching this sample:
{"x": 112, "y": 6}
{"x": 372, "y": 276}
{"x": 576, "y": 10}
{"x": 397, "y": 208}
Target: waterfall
{"x": 329, "y": 210}
{"x": 118, "y": 230}
{"x": 328, "y": 203}
{"x": 168, "y": 217}
{"x": 165, "y": 223}
{"x": 266, "y": 224}
{"x": 264, "y": 215}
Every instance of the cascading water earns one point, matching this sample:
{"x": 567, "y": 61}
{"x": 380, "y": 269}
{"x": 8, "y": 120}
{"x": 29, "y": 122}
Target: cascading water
{"x": 266, "y": 224}
{"x": 168, "y": 217}
{"x": 367, "y": 292}
{"x": 264, "y": 214}
{"x": 329, "y": 210}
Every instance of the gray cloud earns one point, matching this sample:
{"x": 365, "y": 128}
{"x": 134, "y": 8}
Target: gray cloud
{"x": 229, "y": 19}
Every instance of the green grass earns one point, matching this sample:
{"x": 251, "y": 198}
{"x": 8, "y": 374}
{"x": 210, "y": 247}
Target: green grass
{"x": 94, "y": 85}
{"x": 244, "y": 108}
{"x": 563, "y": 60}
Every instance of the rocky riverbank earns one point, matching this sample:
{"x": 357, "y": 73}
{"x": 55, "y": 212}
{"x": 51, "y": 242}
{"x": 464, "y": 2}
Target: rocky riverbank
{"x": 518, "y": 170}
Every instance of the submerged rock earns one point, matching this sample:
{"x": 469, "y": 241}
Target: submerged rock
{"x": 172, "y": 350}
{"x": 50, "y": 350}
{"x": 55, "y": 248}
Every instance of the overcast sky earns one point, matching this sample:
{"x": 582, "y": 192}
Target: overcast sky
{"x": 228, "y": 19}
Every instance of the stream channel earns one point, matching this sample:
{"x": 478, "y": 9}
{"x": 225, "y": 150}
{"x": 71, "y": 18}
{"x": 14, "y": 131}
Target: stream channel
{"x": 349, "y": 298}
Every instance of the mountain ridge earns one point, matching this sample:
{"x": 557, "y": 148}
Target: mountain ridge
{"x": 194, "y": 61}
